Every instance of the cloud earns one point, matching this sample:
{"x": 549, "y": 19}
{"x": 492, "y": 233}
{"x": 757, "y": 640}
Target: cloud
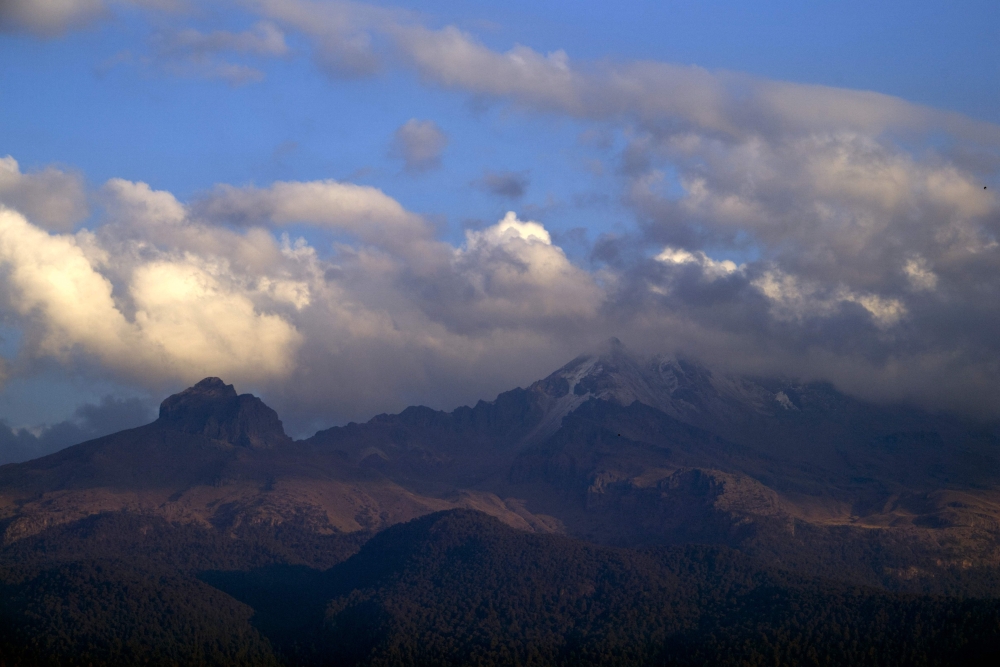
{"x": 194, "y": 53}
{"x": 512, "y": 274}
{"x": 363, "y": 212}
{"x": 48, "y": 18}
{"x": 511, "y": 184}
{"x": 172, "y": 314}
{"x": 781, "y": 228}
{"x": 89, "y": 421}
{"x": 161, "y": 293}
{"x": 419, "y": 143}
{"x": 710, "y": 268}
{"x": 51, "y": 18}
{"x": 52, "y": 198}
{"x": 265, "y": 39}
{"x": 663, "y": 96}
{"x": 341, "y": 32}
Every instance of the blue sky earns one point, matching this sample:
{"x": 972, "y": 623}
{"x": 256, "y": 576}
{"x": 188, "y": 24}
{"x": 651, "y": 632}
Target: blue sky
{"x": 653, "y": 142}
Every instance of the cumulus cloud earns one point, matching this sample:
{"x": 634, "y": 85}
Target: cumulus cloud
{"x": 178, "y": 315}
{"x": 53, "y": 198}
{"x": 510, "y": 184}
{"x": 160, "y": 293}
{"x": 781, "y": 229}
{"x": 512, "y": 274}
{"x": 419, "y": 143}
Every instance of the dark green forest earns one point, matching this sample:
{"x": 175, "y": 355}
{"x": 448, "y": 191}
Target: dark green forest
{"x": 453, "y": 588}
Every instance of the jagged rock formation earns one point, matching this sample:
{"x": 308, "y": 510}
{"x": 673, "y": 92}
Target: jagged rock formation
{"x": 213, "y": 409}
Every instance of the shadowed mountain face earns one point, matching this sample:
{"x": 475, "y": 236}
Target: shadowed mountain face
{"x": 631, "y": 450}
{"x": 215, "y": 458}
{"x": 611, "y": 447}
{"x": 211, "y": 408}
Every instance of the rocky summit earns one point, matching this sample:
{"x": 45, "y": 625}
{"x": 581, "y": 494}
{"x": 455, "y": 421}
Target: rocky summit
{"x": 213, "y": 409}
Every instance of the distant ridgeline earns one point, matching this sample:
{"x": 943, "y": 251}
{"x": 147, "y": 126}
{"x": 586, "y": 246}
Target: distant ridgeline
{"x": 622, "y": 511}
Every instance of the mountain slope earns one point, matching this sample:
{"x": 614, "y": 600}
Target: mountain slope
{"x": 461, "y": 588}
{"x": 217, "y": 459}
{"x": 628, "y": 450}
{"x": 611, "y": 447}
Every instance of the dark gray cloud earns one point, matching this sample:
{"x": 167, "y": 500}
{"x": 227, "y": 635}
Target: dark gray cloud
{"x": 88, "y": 422}
{"x": 510, "y": 184}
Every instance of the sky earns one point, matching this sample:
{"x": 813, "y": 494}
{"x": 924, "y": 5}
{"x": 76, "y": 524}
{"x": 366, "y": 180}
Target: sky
{"x": 348, "y": 208}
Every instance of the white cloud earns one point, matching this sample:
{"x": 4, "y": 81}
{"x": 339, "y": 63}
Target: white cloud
{"x": 793, "y": 299}
{"x": 711, "y": 268}
{"x": 920, "y": 275}
{"x": 52, "y": 198}
{"x": 508, "y": 229}
{"x": 191, "y": 312}
{"x": 160, "y": 293}
{"x": 453, "y": 58}
{"x": 365, "y": 212}
{"x": 191, "y": 316}
{"x": 513, "y": 274}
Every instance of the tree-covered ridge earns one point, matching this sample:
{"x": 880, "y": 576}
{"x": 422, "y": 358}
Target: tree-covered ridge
{"x": 125, "y": 589}
{"x": 452, "y": 588}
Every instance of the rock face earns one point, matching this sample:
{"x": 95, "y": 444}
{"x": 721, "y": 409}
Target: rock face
{"x": 213, "y": 409}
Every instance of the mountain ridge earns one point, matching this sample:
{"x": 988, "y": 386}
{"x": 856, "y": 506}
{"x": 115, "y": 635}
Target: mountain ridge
{"x": 610, "y": 447}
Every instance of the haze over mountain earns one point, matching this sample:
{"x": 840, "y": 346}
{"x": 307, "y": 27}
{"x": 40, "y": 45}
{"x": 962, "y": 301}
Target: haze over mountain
{"x": 611, "y": 447}
{"x": 211, "y": 537}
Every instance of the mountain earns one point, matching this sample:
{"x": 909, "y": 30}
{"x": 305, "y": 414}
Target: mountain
{"x": 660, "y": 450}
{"x": 622, "y": 510}
{"x": 613, "y": 447}
{"x": 214, "y": 458}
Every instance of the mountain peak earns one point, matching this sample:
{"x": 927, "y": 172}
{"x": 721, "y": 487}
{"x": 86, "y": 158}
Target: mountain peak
{"x": 213, "y": 386}
{"x": 213, "y": 408}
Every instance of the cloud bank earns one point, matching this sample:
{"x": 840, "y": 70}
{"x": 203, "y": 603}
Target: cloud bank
{"x": 779, "y": 228}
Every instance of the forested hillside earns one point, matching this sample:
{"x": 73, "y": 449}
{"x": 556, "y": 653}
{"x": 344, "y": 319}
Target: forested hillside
{"x": 455, "y": 587}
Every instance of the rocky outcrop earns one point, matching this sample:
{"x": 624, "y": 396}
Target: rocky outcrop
{"x": 213, "y": 409}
